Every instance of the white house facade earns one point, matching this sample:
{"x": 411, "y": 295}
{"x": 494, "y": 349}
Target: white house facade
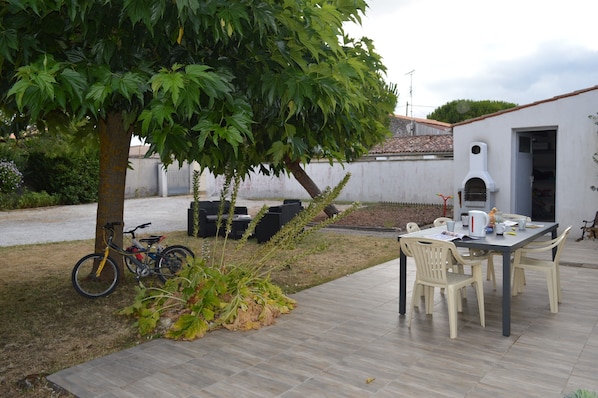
{"x": 538, "y": 160}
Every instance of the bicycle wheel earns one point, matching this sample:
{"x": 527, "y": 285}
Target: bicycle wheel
{"x": 130, "y": 264}
{"x": 88, "y": 284}
{"x": 171, "y": 260}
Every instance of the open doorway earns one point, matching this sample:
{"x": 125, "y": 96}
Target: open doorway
{"x": 544, "y": 173}
{"x": 535, "y": 174}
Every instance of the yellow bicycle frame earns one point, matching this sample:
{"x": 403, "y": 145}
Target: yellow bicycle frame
{"x": 103, "y": 262}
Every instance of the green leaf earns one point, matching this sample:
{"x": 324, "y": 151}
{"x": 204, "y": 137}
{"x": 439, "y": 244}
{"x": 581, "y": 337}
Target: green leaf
{"x": 169, "y": 83}
{"x": 128, "y": 85}
{"x": 188, "y": 327}
{"x": 139, "y": 10}
{"x": 147, "y": 321}
{"x": 18, "y": 90}
{"x": 278, "y": 151}
{"x": 208, "y": 314}
{"x": 74, "y": 83}
{"x": 98, "y": 93}
{"x": 8, "y": 41}
{"x": 45, "y": 82}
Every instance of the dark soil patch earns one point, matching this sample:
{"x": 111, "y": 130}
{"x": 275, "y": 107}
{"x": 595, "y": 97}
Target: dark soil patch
{"x": 392, "y": 216}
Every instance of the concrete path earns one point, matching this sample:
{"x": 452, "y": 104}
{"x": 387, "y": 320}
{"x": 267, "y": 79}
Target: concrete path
{"x": 66, "y": 223}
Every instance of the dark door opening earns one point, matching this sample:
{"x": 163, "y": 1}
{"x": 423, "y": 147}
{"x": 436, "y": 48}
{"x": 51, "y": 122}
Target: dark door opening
{"x": 544, "y": 173}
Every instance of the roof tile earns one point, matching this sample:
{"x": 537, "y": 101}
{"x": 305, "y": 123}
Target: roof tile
{"x": 415, "y": 144}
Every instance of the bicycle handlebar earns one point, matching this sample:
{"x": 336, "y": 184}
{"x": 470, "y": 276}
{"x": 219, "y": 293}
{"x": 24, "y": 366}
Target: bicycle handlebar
{"x": 147, "y": 224}
{"x": 111, "y": 226}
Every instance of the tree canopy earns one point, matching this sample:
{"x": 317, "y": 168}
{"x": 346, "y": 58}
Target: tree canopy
{"x": 231, "y": 85}
{"x": 460, "y": 110}
{"x": 202, "y": 80}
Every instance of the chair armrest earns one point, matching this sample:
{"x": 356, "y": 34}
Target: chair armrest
{"x": 462, "y": 260}
{"x": 405, "y": 249}
{"x": 540, "y": 246}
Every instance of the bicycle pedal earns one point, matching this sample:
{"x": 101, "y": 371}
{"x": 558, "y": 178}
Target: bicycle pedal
{"x": 142, "y": 272}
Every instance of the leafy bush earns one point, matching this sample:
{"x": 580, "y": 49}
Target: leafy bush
{"x": 459, "y": 110}
{"x": 11, "y": 151}
{"x": 10, "y": 177}
{"x": 581, "y": 393}
{"x": 27, "y": 199}
{"x": 73, "y": 177}
{"x": 207, "y": 295}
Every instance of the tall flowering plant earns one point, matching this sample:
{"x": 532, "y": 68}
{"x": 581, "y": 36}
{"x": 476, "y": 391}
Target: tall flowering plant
{"x": 10, "y": 177}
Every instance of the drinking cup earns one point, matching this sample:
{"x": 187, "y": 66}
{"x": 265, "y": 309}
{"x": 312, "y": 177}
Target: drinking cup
{"x": 450, "y": 225}
{"x": 521, "y": 224}
{"x": 465, "y": 221}
{"x": 500, "y": 229}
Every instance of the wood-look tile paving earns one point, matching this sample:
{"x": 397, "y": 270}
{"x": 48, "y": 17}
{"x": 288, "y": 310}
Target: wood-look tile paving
{"x": 346, "y": 339}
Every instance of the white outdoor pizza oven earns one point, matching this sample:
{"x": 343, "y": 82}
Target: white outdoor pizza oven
{"x": 478, "y": 190}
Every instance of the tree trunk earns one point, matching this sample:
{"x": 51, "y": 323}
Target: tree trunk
{"x": 309, "y": 185}
{"x": 114, "y": 158}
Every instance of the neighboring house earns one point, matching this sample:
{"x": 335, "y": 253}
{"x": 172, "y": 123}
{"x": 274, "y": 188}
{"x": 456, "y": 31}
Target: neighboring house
{"x": 391, "y": 172}
{"x": 405, "y": 126}
{"x": 538, "y": 160}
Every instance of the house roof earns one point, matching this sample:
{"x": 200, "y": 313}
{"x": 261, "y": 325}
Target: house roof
{"x": 429, "y": 122}
{"x": 442, "y": 143}
{"x": 558, "y": 97}
{"x": 428, "y": 137}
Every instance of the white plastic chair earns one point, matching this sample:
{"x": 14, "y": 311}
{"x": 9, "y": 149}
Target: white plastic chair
{"x": 515, "y": 217}
{"x": 440, "y": 221}
{"x": 412, "y": 227}
{"x": 431, "y": 259}
{"x": 475, "y": 254}
{"x": 534, "y": 257}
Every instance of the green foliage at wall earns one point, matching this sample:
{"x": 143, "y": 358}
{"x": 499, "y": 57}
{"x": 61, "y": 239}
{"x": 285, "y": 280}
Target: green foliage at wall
{"x": 460, "y": 110}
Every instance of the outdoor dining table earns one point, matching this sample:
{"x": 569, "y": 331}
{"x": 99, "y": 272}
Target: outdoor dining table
{"x": 506, "y": 244}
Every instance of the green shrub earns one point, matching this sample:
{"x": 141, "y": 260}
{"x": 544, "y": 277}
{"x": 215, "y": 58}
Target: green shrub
{"x": 10, "y": 177}
{"x": 11, "y": 151}
{"x": 27, "y": 199}
{"x": 73, "y": 177}
{"x": 581, "y": 393}
{"x": 31, "y": 199}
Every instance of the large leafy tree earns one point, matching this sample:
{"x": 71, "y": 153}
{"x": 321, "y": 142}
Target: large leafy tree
{"x": 460, "y": 110}
{"x": 232, "y": 85}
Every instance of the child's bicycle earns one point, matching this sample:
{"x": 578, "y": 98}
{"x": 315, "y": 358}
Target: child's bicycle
{"x": 97, "y": 275}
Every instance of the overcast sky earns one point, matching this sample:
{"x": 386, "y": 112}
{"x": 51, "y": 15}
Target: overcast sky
{"x": 517, "y": 51}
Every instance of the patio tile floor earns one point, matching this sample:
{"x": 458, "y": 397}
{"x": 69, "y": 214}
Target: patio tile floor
{"x": 346, "y": 339}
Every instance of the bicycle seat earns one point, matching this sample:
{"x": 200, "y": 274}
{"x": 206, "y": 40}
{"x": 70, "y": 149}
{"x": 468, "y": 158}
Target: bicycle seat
{"x": 153, "y": 239}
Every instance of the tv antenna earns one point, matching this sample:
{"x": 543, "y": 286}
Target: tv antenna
{"x": 411, "y": 126}
{"x": 410, "y": 91}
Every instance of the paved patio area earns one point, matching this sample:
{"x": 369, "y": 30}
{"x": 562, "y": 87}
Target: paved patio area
{"x": 346, "y": 339}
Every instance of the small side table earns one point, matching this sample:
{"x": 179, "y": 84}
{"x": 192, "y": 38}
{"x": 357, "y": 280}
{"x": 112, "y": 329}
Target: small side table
{"x": 239, "y": 225}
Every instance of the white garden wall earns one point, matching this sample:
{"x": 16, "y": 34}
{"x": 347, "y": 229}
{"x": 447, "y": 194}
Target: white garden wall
{"x": 401, "y": 180}
{"x": 147, "y": 177}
